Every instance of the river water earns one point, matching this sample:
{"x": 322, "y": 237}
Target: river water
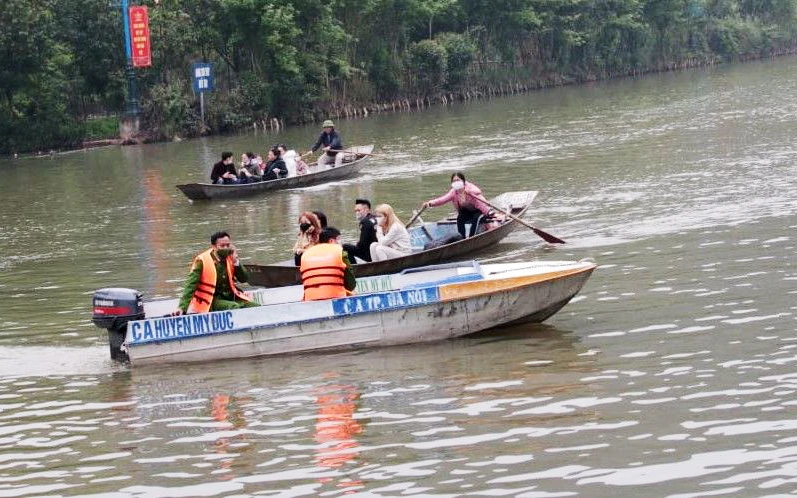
{"x": 673, "y": 373}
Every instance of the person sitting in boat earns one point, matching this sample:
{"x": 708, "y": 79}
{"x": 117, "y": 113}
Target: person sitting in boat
{"x": 309, "y": 230}
{"x": 250, "y": 168}
{"x": 467, "y": 199}
{"x": 325, "y": 269}
{"x": 224, "y": 171}
{"x": 393, "y": 239}
{"x": 211, "y": 284}
{"x": 330, "y": 142}
{"x": 322, "y": 218}
{"x": 289, "y": 156}
{"x": 367, "y": 225}
{"x": 275, "y": 166}
{"x": 301, "y": 166}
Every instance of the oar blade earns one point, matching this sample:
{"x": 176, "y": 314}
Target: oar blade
{"x": 547, "y": 237}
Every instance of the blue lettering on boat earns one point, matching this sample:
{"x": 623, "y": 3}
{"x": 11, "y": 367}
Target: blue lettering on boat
{"x": 147, "y": 331}
{"x": 385, "y": 300}
{"x": 135, "y": 329}
{"x": 159, "y": 329}
{"x": 198, "y": 323}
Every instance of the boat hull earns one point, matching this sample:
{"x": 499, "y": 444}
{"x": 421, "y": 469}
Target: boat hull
{"x": 208, "y": 191}
{"x": 279, "y": 275}
{"x": 461, "y": 309}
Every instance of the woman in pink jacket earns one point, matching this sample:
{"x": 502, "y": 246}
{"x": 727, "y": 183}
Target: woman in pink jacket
{"x": 467, "y": 199}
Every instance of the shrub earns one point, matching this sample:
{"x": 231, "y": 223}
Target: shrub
{"x": 428, "y": 63}
{"x": 168, "y": 111}
{"x": 460, "y": 51}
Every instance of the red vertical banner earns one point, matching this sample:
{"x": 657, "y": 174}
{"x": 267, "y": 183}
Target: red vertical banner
{"x": 139, "y": 36}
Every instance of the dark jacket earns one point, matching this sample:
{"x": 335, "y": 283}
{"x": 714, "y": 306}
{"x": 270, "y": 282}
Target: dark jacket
{"x": 367, "y": 235}
{"x": 331, "y": 139}
{"x": 219, "y": 169}
{"x": 276, "y": 168}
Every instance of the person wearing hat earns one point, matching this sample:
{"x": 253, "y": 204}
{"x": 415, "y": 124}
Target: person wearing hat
{"x": 329, "y": 141}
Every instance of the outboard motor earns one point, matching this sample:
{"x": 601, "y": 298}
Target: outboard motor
{"x": 113, "y": 307}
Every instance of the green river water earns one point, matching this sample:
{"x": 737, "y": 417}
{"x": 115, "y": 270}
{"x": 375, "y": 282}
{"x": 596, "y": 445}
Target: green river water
{"x": 673, "y": 373}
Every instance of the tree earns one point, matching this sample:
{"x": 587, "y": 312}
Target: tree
{"x": 432, "y": 9}
{"x": 460, "y": 51}
{"x": 666, "y": 17}
{"x": 428, "y": 64}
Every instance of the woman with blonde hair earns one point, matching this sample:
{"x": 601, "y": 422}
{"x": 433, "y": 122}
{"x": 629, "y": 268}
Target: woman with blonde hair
{"x": 393, "y": 239}
{"x": 309, "y": 230}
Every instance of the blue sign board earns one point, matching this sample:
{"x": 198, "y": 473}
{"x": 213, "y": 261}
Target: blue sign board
{"x": 203, "y": 77}
{"x": 179, "y": 327}
{"x": 385, "y": 300}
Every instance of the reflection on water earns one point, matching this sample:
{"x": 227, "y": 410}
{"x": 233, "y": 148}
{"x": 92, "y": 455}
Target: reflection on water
{"x": 674, "y": 367}
{"x": 156, "y": 235}
{"x": 336, "y": 429}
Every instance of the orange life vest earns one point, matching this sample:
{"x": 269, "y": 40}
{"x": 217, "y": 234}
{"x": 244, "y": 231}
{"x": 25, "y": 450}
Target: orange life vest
{"x": 206, "y": 288}
{"x": 323, "y": 272}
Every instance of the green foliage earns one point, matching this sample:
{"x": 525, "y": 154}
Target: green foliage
{"x": 427, "y": 61}
{"x": 460, "y": 52}
{"x": 63, "y": 60}
{"x": 102, "y": 127}
{"x": 384, "y": 73}
{"x": 168, "y": 111}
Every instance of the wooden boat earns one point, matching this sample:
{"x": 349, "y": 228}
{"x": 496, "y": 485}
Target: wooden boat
{"x": 286, "y": 273}
{"x": 353, "y": 162}
{"x": 418, "y": 305}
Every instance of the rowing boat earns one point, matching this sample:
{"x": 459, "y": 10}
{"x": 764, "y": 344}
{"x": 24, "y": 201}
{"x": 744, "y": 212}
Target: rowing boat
{"x": 354, "y": 160}
{"x": 422, "y": 238}
{"x": 419, "y": 305}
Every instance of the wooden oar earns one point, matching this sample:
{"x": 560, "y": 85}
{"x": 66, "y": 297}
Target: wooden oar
{"x": 547, "y": 237}
{"x": 415, "y": 217}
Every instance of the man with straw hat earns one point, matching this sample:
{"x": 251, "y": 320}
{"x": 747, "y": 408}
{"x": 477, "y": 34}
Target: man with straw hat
{"x": 329, "y": 141}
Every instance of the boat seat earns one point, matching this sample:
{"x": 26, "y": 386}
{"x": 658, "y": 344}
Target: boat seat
{"x": 442, "y": 241}
{"x": 443, "y": 266}
{"x": 468, "y": 277}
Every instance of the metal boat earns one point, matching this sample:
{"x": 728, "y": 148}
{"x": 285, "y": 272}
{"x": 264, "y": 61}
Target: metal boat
{"x": 419, "y": 305}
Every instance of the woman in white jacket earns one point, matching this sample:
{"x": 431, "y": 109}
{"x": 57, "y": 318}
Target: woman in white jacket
{"x": 393, "y": 240}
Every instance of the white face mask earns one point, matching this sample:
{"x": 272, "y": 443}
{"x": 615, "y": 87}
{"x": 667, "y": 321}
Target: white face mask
{"x": 458, "y": 185}
{"x": 380, "y": 219}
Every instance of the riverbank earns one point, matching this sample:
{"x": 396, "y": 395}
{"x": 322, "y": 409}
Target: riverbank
{"x": 360, "y": 110}
{"x": 518, "y": 86}
{"x": 486, "y": 90}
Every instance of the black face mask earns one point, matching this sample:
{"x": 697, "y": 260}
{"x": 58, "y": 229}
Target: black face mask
{"x": 304, "y": 226}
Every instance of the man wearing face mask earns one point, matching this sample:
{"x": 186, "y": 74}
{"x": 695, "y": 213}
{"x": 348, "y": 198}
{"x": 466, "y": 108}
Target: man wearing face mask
{"x": 467, "y": 199}
{"x": 211, "y": 283}
{"x": 362, "y": 210}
